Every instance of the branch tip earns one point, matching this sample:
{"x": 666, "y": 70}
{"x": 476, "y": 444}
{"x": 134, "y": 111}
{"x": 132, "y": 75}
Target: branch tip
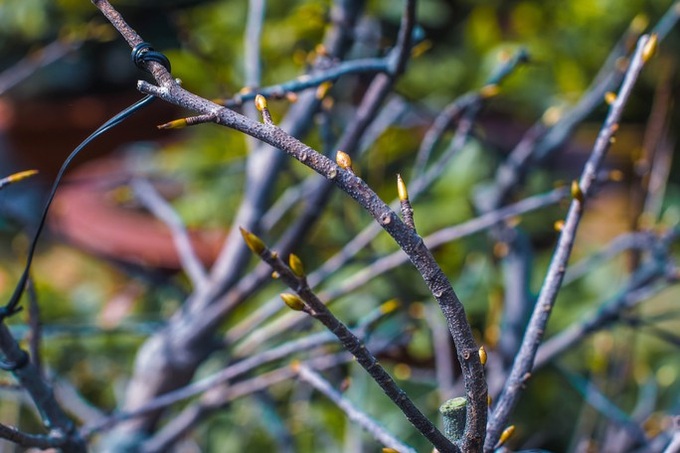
{"x": 260, "y": 103}
{"x": 507, "y": 433}
{"x": 253, "y": 242}
{"x": 651, "y": 46}
{"x": 19, "y": 176}
{"x": 454, "y": 412}
{"x": 175, "y": 124}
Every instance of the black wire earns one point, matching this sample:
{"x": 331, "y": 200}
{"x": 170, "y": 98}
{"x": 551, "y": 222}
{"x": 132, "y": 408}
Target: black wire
{"x": 140, "y": 54}
{"x": 143, "y": 52}
{"x": 11, "y": 307}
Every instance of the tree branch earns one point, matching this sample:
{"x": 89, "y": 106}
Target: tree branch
{"x": 521, "y": 370}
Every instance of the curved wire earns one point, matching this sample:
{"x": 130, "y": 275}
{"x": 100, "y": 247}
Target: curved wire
{"x": 12, "y": 306}
{"x": 141, "y": 54}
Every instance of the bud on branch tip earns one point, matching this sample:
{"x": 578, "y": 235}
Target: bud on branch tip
{"x": 253, "y": 242}
{"x": 20, "y": 176}
{"x": 260, "y": 102}
{"x": 175, "y": 124}
{"x": 401, "y": 189}
{"x": 343, "y": 160}
{"x": 507, "y": 433}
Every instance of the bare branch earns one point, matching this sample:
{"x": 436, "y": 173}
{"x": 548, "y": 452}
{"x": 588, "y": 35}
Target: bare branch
{"x": 162, "y": 210}
{"x": 521, "y": 370}
{"x": 307, "y": 301}
{"x": 353, "y": 413}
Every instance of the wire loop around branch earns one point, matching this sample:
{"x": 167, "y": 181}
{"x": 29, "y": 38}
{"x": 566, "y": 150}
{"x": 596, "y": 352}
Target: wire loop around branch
{"x": 144, "y": 52}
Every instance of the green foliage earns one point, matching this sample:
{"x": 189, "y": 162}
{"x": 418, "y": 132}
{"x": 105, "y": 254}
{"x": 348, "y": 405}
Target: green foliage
{"x": 567, "y": 41}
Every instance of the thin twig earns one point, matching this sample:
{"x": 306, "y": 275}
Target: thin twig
{"x": 353, "y": 413}
{"x": 38, "y": 59}
{"x": 35, "y": 326}
{"x": 521, "y": 370}
{"x": 42, "y": 441}
{"x": 464, "y": 110}
{"x": 442, "y": 352}
{"x": 41, "y": 393}
{"x": 378, "y": 267}
{"x": 74, "y": 403}
{"x": 235, "y": 370}
{"x": 221, "y": 396}
{"x": 318, "y": 310}
{"x": 304, "y": 82}
{"x": 594, "y": 397}
{"x": 161, "y": 209}
{"x": 643, "y": 285}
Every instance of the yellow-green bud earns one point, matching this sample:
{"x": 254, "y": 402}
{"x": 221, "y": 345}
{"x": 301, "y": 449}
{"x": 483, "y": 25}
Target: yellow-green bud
{"x": 253, "y": 242}
{"x": 296, "y": 266}
{"x": 293, "y": 301}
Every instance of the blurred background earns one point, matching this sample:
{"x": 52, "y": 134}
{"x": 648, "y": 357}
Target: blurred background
{"x": 107, "y": 274}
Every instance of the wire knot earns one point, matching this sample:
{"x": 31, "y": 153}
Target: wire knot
{"x": 143, "y": 53}
{"x": 21, "y": 362}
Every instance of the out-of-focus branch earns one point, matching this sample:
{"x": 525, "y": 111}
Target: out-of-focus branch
{"x": 644, "y": 284}
{"x": 378, "y": 267}
{"x": 30, "y": 379}
{"x": 224, "y": 394}
{"x": 545, "y": 136}
{"x": 354, "y": 414}
{"x": 36, "y": 60}
{"x": 29, "y": 440}
{"x": 35, "y": 326}
{"x": 305, "y": 300}
{"x": 304, "y": 82}
{"x": 596, "y": 399}
{"x": 442, "y": 353}
{"x": 161, "y": 209}
{"x": 233, "y": 371}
